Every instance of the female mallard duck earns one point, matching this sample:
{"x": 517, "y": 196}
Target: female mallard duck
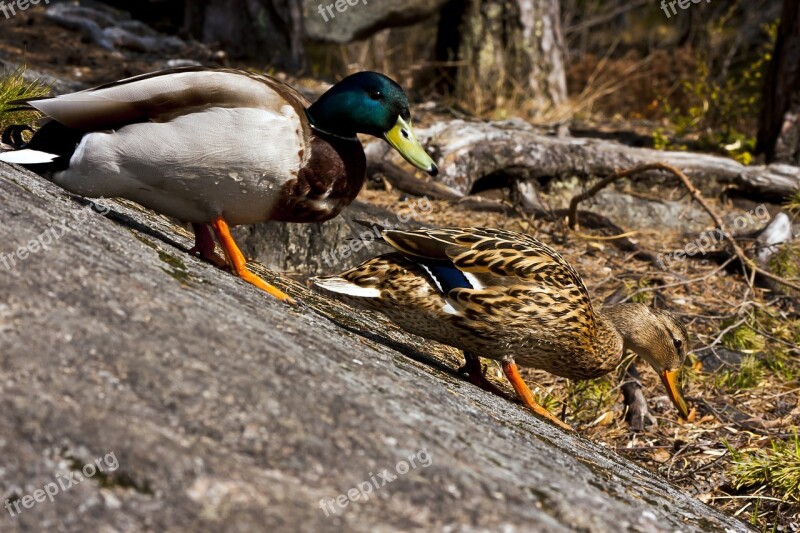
{"x": 218, "y": 147}
{"x": 506, "y": 296}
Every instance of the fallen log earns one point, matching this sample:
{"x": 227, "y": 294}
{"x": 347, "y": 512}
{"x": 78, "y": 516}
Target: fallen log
{"x": 470, "y": 150}
{"x": 400, "y": 179}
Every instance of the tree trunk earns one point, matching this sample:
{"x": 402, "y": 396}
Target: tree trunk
{"x": 505, "y": 52}
{"x": 779, "y": 129}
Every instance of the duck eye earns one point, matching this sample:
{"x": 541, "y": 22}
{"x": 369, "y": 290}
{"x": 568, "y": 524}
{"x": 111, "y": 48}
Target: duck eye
{"x": 678, "y": 343}
{"x": 375, "y": 95}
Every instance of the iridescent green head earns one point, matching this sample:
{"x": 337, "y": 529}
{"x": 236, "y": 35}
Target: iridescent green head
{"x": 371, "y": 103}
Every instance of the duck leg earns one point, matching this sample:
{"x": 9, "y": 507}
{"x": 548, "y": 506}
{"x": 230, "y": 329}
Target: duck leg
{"x": 238, "y": 263}
{"x": 475, "y": 374}
{"x": 513, "y": 375}
{"x": 204, "y": 245}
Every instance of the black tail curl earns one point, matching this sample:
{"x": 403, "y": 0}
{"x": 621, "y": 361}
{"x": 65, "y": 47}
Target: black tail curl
{"x": 52, "y": 137}
{"x": 12, "y": 135}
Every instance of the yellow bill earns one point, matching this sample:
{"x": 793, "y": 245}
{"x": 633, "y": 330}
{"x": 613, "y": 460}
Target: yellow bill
{"x": 402, "y": 138}
{"x": 670, "y": 380}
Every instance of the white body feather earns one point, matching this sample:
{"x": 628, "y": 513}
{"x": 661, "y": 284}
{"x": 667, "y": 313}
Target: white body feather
{"x": 26, "y": 157}
{"x": 192, "y": 145}
{"x": 342, "y": 286}
{"x": 216, "y": 162}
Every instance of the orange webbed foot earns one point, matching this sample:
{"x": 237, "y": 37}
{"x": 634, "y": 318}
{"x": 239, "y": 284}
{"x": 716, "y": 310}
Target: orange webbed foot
{"x": 513, "y": 375}
{"x": 239, "y": 265}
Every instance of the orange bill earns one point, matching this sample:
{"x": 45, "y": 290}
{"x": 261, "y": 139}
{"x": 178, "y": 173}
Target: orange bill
{"x": 670, "y": 380}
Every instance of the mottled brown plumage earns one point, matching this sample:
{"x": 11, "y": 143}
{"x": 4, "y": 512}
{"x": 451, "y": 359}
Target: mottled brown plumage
{"x": 507, "y": 296}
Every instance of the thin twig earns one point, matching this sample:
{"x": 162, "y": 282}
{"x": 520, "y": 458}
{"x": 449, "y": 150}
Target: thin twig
{"x": 602, "y": 18}
{"x": 749, "y": 497}
{"x": 721, "y": 335}
{"x": 750, "y": 268}
{"x": 605, "y": 237}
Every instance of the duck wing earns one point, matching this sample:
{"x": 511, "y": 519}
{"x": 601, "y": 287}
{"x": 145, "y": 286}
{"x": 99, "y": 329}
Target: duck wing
{"x": 491, "y": 255}
{"x": 502, "y": 278}
{"x": 162, "y": 96}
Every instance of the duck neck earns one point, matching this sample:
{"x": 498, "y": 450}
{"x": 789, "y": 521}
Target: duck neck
{"x": 615, "y": 325}
{"x": 329, "y": 115}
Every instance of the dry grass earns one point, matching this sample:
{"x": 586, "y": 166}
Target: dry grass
{"x": 13, "y": 86}
{"x": 793, "y": 203}
{"x": 776, "y": 467}
{"x": 630, "y": 86}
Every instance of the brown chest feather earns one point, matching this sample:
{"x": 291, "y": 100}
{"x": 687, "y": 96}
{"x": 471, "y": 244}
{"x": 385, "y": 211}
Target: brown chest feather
{"x": 331, "y": 180}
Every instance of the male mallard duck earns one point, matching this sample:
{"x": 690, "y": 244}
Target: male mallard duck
{"x": 506, "y": 296}
{"x": 218, "y": 147}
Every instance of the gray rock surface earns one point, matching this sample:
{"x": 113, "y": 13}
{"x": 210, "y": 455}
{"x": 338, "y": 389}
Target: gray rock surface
{"x": 226, "y": 410}
{"x": 361, "y": 18}
{"x": 112, "y": 29}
